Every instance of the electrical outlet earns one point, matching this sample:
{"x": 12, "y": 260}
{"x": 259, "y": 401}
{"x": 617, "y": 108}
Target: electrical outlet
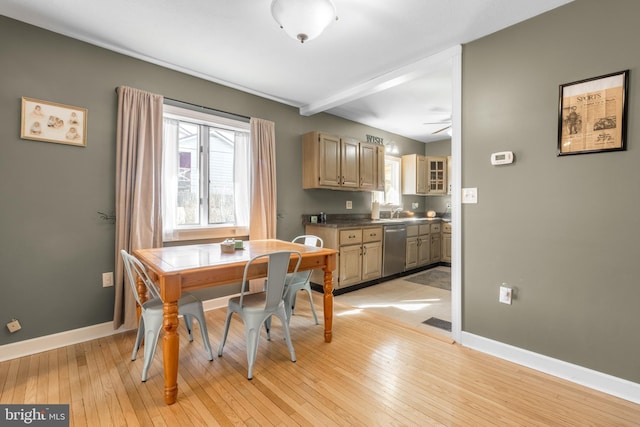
{"x": 107, "y": 279}
{"x": 505, "y": 294}
{"x": 415, "y": 205}
{"x": 14, "y": 326}
{"x": 349, "y": 204}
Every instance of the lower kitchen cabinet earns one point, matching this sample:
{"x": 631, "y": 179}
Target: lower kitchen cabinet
{"x": 418, "y": 246}
{"x": 436, "y": 242}
{"x": 359, "y": 253}
{"x": 446, "y": 242}
{"x": 424, "y": 244}
{"x": 412, "y": 247}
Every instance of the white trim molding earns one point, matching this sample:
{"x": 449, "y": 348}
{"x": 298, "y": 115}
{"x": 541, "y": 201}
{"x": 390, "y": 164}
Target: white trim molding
{"x": 605, "y": 383}
{"x": 75, "y": 336}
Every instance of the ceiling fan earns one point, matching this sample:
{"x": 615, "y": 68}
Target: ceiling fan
{"x": 446, "y": 124}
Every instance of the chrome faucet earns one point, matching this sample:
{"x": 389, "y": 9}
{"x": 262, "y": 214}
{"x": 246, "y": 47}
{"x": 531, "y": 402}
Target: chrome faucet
{"x": 397, "y": 212}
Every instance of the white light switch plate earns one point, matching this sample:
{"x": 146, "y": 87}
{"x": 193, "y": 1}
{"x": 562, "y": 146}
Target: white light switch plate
{"x": 470, "y": 195}
{"x": 505, "y": 295}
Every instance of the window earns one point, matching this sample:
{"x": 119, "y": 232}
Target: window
{"x": 206, "y": 164}
{"x": 391, "y": 196}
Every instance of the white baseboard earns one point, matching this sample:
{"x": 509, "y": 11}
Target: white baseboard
{"x": 75, "y": 336}
{"x": 605, "y": 383}
{"x": 614, "y": 386}
{"x": 62, "y": 339}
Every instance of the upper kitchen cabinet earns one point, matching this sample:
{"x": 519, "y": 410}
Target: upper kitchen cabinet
{"x": 414, "y": 174}
{"x": 424, "y": 176}
{"x": 371, "y": 167}
{"x": 437, "y": 175}
{"x": 337, "y": 163}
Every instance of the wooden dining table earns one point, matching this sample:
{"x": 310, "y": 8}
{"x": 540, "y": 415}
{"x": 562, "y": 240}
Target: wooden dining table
{"x": 188, "y": 267}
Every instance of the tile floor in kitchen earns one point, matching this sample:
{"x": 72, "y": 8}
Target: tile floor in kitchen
{"x": 404, "y": 301}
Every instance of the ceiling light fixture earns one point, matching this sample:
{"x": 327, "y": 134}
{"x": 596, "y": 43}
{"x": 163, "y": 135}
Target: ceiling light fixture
{"x": 303, "y": 19}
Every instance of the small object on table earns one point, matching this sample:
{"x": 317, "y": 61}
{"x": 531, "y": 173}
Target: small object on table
{"x": 228, "y": 246}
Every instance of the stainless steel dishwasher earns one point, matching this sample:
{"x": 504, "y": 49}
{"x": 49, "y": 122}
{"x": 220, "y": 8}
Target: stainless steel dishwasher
{"x": 395, "y": 249}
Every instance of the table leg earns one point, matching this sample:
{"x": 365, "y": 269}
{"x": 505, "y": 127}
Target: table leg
{"x": 142, "y": 295}
{"x": 328, "y": 304}
{"x": 170, "y": 350}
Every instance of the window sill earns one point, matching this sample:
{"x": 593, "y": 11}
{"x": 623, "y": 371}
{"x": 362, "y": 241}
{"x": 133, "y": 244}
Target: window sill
{"x": 220, "y": 233}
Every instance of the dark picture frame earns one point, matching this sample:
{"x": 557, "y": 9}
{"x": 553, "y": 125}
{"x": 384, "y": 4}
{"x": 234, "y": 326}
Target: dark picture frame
{"x": 592, "y": 114}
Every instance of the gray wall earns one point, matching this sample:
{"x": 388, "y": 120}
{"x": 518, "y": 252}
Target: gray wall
{"x": 563, "y": 230}
{"x": 53, "y": 245}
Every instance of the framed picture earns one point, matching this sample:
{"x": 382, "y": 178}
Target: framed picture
{"x": 51, "y": 122}
{"x": 592, "y": 115}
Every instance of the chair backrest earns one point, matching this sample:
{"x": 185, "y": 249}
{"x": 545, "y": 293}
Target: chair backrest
{"x": 277, "y": 268}
{"x": 309, "y": 240}
{"x": 131, "y": 266}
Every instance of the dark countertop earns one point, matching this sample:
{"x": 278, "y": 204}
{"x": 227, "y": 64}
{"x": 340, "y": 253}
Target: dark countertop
{"x": 364, "y": 222}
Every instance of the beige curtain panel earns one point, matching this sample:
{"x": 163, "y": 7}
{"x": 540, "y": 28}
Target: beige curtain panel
{"x": 263, "y": 194}
{"x": 138, "y": 195}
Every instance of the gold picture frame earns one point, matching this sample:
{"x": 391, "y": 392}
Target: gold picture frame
{"x": 53, "y": 122}
{"x": 592, "y": 115}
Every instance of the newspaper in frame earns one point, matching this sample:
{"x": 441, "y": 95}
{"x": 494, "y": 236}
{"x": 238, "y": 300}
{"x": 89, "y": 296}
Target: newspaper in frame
{"x": 592, "y": 115}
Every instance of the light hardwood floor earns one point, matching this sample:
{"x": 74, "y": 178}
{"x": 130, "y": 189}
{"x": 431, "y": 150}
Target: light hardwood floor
{"x": 405, "y": 301}
{"x": 376, "y": 372}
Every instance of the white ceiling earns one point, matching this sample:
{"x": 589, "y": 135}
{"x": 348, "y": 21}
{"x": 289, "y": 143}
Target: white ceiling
{"x": 375, "y": 65}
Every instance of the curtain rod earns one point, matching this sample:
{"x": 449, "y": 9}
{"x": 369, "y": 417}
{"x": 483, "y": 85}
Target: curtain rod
{"x": 185, "y": 104}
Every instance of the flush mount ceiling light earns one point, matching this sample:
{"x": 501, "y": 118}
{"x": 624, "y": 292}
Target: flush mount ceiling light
{"x": 303, "y": 19}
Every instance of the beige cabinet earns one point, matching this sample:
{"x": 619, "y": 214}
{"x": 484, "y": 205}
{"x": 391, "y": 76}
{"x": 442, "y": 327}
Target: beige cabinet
{"x": 359, "y": 253}
{"x": 446, "y": 242}
{"x": 414, "y": 174}
{"x": 411, "y": 260}
{"x": 329, "y": 161}
{"x": 437, "y": 175}
{"x": 371, "y": 253}
{"x": 338, "y": 163}
{"x": 371, "y": 167}
{"x": 436, "y": 242}
{"x": 424, "y": 244}
{"x": 424, "y": 176}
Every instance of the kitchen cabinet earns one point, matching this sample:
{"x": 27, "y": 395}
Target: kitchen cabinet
{"x": 371, "y": 167}
{"x": 446, "y": 242}
{"x": 435, "y": 242}
{"x": 412, "y": 247}
{"x": 437, "y": 175}
{"x": 414, "y": 174}
{"x": 339, "y": 163}
{"x": 359, "y": 253}
{"x": 371, "y": 253}
{"x": 424, "y": 175}
{"x": 424, "y": 244}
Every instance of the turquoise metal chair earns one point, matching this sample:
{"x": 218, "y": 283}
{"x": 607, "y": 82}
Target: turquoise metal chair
{"x": 150, "y": 325}
{"x": 256, "y": 309}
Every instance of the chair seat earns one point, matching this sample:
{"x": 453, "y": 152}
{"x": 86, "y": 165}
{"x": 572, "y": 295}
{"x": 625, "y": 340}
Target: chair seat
{"x": 185, "y": 302}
